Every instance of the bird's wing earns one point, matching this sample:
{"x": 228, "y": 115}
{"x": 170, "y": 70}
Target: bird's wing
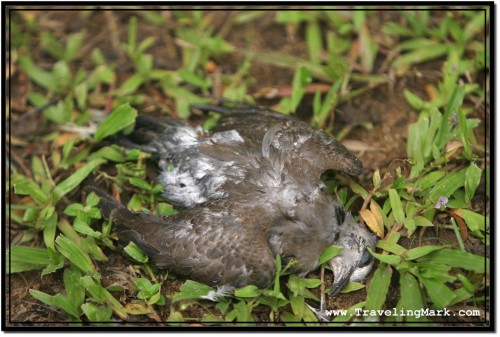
{"x": 250, "y": 143}
{"x": 250, "y": 122}
{"x": 312, "y": 150}
{"x": 213, "y": 247}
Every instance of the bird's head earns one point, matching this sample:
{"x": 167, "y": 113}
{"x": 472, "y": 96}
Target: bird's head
{"x": 354, "y": 262}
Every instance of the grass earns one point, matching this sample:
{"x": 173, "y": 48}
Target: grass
{"x": 436, "y": 186}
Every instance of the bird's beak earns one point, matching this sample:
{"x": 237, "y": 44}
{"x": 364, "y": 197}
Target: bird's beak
{"x": 341, "y": 276}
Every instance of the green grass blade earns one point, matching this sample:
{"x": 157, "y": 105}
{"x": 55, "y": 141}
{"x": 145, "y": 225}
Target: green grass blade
{"x": 41, "y": 77}
{"x": 379, "y": 286}
{"x": 102, "y": 295}
{"x": 49, "y": 230}
{"x": 76, "y": 178}
{"x": 420, "y": 55}
{"x": 314, "y": 41}
{"x": 472, "y": 180}
{"x": 396, "y": 205}
{"x": 439, "y": 293}
{"x": 248, "y": 291}
{"x": 63, "y": 303}
{"x": 39, "y": 256}
{"x": 391, "y": 247}
{"x": 452, "y": 108}
{"x": 448, "y": 185}
{"x": 121, "y": 118}
{"x": 20, "y": 266}
{"x": 329, "y": 253}
{"x": 457, "y": 259}
{"x": 411, "y": 295}
{"x": 418, "y": 252}
{"x": 136, "y": 253}
{"x": 191, "y": 290}
{"x": 75, "y": 254}
{"x": 74, "y": 289}
{"x": 389, "y": 259}
{"x": 73, "y": 44}
{"x": 29, "y": 187}
{"x": 97, "y": 313}
{"x": 42, "y": 297}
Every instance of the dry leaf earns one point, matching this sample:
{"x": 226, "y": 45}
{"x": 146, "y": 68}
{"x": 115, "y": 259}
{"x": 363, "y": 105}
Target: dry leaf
{"x": 63, "y": 138}
{"x": 377, "y": 215}
{"x": 371, "y": 222}
{"x": 137, "y": 309}
{"x": 431, "y": 91}
{"x": 460, "y": 223}
{"x": 453, "y": 148}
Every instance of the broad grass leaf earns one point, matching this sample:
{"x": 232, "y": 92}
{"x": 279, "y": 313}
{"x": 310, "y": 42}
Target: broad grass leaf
{"x": 191, "y": 290}
{"x": 448, "y": 185}
{"x": 136, "y": 253}
{"x": 248, "y": 291}
{"x": 458, "y": 259}
{"x": 76, "y": 178}
{"x": 121, "y": 118}
{"x": 388, "y": 259}
{"x": 75, "y": 254}
{"x": 472, "y": 180}
{"x": 418, "y": 252}
{"x": 411, "y": 295}
{"x": 439, "y": 293}
{"x": 379, "y": 287}
{"x": 396, "y": 205}
{"x": 420, "y": 55}
{"x": 391, "y": 247}
{"x": 102, "y": 295}
{"x": 329, "y": 253}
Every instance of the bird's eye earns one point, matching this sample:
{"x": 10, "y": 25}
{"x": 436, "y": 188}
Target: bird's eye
{"x": 366, "y": 258}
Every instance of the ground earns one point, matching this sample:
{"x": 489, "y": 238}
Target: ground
{"x": 373, "y": 124}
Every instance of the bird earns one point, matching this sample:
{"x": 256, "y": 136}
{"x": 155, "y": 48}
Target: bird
{"x": 215, "y": 245}
{"x": 195, "y": 167}
{"x": 248, "y": 191}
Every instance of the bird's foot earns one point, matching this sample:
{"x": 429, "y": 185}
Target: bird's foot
{"x": 320, "y": 313}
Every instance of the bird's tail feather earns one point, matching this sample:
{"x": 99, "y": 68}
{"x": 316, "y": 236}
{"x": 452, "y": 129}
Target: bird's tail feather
{"x": 147, "y": 133}
{"x": 134, "y": 227}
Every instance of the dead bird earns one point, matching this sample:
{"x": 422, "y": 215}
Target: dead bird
{"x": 251, "y": 190}
{"x": 234, "y": 243}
